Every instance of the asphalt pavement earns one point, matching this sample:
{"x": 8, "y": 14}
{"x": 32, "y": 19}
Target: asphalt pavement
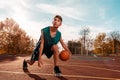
{"x": 77, "y": 68}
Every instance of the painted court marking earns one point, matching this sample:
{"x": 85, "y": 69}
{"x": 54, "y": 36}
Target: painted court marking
{"x": 101, "y": 68}
{"x": 71, "y": 76}
{"x": 74, "y": 76}
{"x": 87, "y": 66}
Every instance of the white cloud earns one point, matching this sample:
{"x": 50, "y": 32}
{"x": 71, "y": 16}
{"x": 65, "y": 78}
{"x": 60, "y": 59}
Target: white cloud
{"x": 66, "y": 11}
{"x": 20, "y": 11}
{"x": 17, "y": 11}
{"x": 69, "y": 32}
{"x": 15, "y": 8}
{"x": 34, "y": 28}
{"x": 72, "y": 33}
{"x": 20, "y": 15}
{"x": 98, "y": 29}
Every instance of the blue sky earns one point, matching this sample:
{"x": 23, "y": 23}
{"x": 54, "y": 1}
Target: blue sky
{"x": 33, "y": 15}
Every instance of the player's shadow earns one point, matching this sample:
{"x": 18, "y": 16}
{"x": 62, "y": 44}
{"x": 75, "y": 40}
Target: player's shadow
{"x": 62, "y": 78}
{"x": 36, "y": 77}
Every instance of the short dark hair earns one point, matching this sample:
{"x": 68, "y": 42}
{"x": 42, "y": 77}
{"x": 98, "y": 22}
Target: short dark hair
{"x": 58, "y": 16}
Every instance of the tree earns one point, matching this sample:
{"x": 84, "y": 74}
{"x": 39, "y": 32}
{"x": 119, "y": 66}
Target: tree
{"x": 107, "y": 45}
{"x": 1, "y": 25}
{"x": 84, "y": 38}
{"x": 115, "y": 39}
{"x": 13, "y": 39}
{"x": 99, "y": 43}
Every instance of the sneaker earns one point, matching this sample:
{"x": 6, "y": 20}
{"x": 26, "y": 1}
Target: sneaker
{"x": 57, "y": 71}
{"x": 25, "y": 65}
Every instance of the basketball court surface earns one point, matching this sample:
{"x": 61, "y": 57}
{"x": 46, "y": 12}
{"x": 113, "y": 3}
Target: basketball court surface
{"x": 77, "y": 68}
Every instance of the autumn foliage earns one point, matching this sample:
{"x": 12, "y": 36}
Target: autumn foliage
{"x": 14, "y": 40}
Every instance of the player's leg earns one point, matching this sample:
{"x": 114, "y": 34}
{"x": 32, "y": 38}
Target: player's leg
{"x": 55, "y": 50}
{"x": 34, "y": 58}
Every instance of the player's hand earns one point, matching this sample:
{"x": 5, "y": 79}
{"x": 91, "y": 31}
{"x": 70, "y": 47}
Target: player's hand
{"x": 40, "y": 62}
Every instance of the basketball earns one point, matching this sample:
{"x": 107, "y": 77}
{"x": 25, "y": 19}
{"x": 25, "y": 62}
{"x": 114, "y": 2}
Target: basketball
{"x": 64, "y": 55}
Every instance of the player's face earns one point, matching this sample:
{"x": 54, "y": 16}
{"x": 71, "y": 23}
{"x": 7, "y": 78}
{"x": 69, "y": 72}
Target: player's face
{"x": 57, "y": 22}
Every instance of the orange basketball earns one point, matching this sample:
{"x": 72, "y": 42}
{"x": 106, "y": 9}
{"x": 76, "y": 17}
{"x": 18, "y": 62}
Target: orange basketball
{"x": 64, "y": 55}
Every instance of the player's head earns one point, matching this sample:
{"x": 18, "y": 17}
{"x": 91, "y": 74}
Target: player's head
{"x": 57, "y": 21}
{"x": 59, "y": 17}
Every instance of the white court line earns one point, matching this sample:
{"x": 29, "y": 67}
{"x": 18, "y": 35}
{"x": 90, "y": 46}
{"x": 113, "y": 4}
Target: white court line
{"x": 76, "y": 64}
{"x": 95, "y": 64}
{"x": 82, "y": 66}
{"x": 96, "y": 68}
{"x": 74, "y": 76}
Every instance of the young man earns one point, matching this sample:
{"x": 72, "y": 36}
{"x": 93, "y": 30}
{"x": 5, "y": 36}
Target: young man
{"x": 47, "y": 45}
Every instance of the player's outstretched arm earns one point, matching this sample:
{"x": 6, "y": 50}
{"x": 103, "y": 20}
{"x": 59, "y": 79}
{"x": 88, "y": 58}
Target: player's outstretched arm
{"x": 41, "y": 50}
{"x": 64, "y": 46}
